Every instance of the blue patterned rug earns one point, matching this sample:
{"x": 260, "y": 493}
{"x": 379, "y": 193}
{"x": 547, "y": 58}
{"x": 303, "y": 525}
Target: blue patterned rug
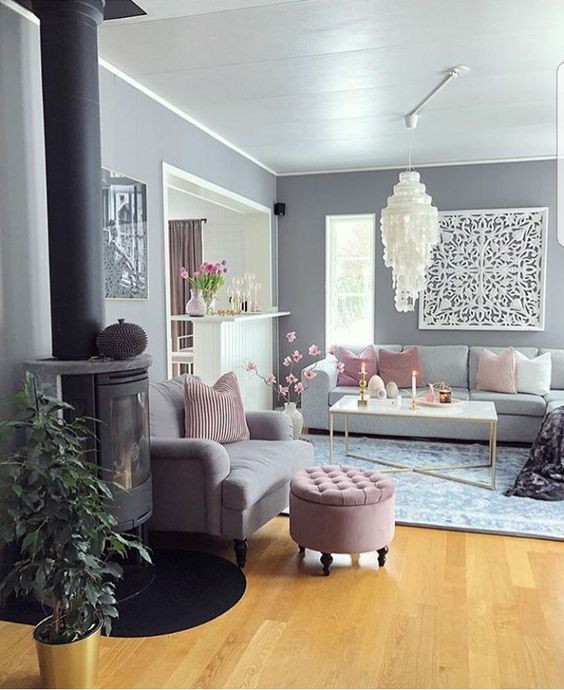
{"x": 432, "y": 502}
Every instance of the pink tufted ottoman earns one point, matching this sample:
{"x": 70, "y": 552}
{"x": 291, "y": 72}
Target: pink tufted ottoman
{"x": 342, "y": 509}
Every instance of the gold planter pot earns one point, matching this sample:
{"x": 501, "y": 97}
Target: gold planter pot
{"x": 71, "y": 665}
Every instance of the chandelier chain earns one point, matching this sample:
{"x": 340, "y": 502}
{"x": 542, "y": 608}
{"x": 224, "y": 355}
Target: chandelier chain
{"x": 409, "y": 166}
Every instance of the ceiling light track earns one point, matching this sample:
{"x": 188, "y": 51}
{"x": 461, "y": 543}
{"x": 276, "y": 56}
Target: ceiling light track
{"x": 453, "y": 73}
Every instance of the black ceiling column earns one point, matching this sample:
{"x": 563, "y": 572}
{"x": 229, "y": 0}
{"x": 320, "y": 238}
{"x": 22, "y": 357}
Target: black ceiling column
{"x": 69, "y": 56}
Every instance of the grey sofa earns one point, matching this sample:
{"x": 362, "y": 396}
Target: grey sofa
{"x": 519, "y": 415}
{"x": 229, "y": 491}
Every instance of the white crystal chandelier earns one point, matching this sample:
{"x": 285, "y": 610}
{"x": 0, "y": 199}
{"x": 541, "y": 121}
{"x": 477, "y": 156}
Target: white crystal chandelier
{"x": 410, "y": 222}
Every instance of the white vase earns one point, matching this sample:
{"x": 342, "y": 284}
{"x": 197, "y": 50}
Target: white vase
{"x": 296, "y": 418}
{"x": 196, "y": 305}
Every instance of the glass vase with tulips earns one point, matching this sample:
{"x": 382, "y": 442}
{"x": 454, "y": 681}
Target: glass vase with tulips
{"x": 209, "y": 280}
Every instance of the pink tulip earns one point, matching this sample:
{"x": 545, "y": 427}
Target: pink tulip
{"x": 291, "y": 336}
{"x": 314, "y": 351}
{"x": 299, "y": 388}
{"x": 332, "y": 350}
{"x": 283, "y": 391}
{"x": 196, "y": 274}
{"x": 297, "y": 355}
{"x": 183, "y": 273}
{"x": 202, "y": 267}
{"x": 251, "y": 366}
{"x": 291, "y": 379}
{"x": 287, "y": 361}
{"x": 270, "y": 379}
{"x": 310, "y": 374}
{"x": 340, "y": 367}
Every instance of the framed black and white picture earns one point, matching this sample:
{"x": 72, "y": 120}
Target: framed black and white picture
{"x": 124, "y": 214}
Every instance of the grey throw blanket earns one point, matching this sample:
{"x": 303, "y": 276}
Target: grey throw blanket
{"x": 542, "y": 476}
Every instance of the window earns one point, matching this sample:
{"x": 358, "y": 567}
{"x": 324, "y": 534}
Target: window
{"x": 350, "y": 279}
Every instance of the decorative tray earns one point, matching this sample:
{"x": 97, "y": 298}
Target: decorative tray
{"x": 453, "y": 403}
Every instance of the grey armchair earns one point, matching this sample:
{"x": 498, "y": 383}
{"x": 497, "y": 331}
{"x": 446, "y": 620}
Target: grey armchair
{"x": 229, "y": 491}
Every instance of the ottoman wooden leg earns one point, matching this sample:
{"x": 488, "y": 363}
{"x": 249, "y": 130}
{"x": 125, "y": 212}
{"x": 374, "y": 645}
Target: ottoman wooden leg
{"x": 240, "y": 547}
{"x": 326, "y": 560}
{"x": 382, "y": 553}
{"x": 302, "y": 550}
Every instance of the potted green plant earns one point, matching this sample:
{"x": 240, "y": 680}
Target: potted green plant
{"x": 56, "y": 507}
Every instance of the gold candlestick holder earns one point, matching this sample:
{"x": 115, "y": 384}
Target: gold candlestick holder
{"x": 413, "y": 404}
{"x": 362, "y": 401}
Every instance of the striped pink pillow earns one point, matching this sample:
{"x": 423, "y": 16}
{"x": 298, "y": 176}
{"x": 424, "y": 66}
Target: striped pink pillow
{"x": 399, "y": 366}
{"x": 497, "y": 372}
{"x": 216, "y": 412}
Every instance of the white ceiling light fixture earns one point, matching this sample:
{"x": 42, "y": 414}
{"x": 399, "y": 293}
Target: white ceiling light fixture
{"x": 410, "y": 222}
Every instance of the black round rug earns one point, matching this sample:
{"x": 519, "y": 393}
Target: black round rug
{"x": 188, "y": 588}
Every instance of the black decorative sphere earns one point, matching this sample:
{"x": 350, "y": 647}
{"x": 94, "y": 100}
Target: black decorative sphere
{"x": 121, "y": 340}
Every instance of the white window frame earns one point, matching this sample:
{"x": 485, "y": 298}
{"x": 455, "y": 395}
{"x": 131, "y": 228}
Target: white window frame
{"x": 330, "y": 271}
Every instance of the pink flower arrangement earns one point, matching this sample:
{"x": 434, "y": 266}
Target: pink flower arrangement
{"x": 294, "y": 388}
{"x": 209, "y": 279}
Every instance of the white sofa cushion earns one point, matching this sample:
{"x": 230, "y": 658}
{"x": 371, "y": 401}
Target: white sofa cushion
{"x": 533, "y": 375}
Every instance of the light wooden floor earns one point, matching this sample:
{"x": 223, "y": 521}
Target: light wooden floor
{"x": 450, "y": 609}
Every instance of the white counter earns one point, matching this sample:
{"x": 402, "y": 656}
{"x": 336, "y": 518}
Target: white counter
{"x": 228, "y": 343}
{"x": 234, "y": 317}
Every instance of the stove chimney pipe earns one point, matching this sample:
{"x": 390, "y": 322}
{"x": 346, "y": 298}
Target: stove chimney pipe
{"x": 71, "y": 104}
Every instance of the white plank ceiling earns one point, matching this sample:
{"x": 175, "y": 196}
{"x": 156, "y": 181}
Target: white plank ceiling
{"x": 306, "y": 85}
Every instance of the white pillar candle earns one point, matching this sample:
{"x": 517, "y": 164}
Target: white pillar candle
{"x": 413, "y": 384}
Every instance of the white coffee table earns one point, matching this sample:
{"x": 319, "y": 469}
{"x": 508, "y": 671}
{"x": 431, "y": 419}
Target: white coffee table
{"x": 470, "y": 412}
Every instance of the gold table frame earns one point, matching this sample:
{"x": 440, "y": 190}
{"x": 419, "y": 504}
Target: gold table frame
{"x": 434, "y": 472}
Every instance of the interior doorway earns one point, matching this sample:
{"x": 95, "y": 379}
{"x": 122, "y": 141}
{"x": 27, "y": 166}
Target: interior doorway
{"x": 205, "y": 222}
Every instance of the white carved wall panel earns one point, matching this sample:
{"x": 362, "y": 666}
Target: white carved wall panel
{"x": 488, "y": 271}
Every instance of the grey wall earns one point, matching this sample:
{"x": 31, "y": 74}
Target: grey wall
{"x": 138, "y": 134}
{"x": 301, "y": 244}
{"x": 24, "y": 273}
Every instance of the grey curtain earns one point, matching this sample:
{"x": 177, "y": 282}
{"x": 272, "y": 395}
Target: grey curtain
{"x": 185, "y": 249}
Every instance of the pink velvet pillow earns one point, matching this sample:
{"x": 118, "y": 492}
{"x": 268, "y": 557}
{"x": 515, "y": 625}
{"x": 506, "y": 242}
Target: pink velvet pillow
{"x": 497, "y": 372}
{"x": 216, "y": 412}
{"x": 351, "y": 373}
{"x": 399, "y": 366}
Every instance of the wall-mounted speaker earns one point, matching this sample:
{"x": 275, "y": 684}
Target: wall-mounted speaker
{"x": 279, "y": 209}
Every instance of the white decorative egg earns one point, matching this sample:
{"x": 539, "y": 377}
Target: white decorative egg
{"x": 392, "y": 391}
{"x": 376, "y": 388}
